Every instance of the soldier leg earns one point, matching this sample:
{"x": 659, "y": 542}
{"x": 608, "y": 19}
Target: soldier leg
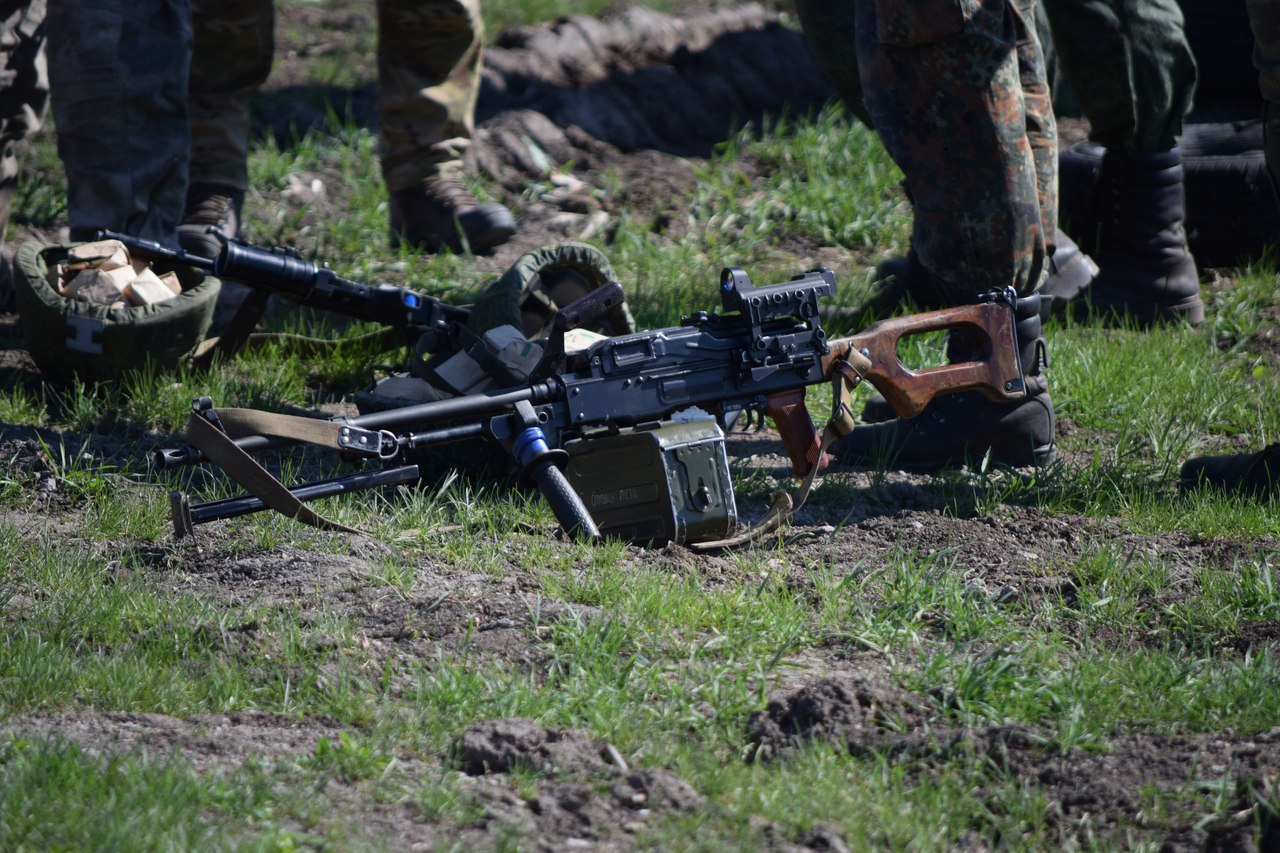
{"x": 1264, "y": 19}
{"x": 121, "y": 122}
{"x": 24, "y": 88}
{"x": 829, "y": 29}
{"x": 1070, "y": 270}
{"x": 429, "y": 56}
{"x": 234, "y": 42}
{"x": 946, "y": 94}
{"x": 24, "y": 94}
{"x": 1131, "y": 65}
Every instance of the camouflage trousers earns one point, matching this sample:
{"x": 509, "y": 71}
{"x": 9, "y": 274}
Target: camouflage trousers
{"x": 429, "y": 56}
{"x": 1131, "y": 67}
{"x": 24, "y": 81}
{"x": 958, "y": 94}
{"x": 1264, "y": 18}
{"x": 118, "y": 70}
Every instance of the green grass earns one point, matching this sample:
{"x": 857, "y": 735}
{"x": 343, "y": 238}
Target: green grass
{"x": 666, "y": 657}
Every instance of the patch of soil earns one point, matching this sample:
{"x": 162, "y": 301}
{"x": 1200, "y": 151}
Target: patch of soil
{"x": 1107, "y": 791}
{"x": 449, "y": 612}
{"x": 587, "y": 792}
{"x": 499, "y": 746}
{"x": 207, "y": 742}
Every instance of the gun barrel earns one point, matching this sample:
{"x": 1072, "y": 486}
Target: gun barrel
{"x": 150, "y": 250}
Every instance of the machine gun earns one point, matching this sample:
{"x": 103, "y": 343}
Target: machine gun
{"x": 757, "y": 357}
{"x": 424, "y": 321}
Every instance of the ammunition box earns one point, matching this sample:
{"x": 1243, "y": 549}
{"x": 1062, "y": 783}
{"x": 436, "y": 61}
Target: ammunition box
{"x": 669, "y": 483}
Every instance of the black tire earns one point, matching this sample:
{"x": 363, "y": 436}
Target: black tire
{"x": 1232, "y": 215}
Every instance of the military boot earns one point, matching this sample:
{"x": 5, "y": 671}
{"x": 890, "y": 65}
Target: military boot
{"x": 904, "y": 281}
{"x": 1070, "y": 273}
{"x": 209, "y": 206}
{"x": 958, "y": 428}
{"x": 1250, "y": 474}
{"x": 1147, "y": 272}
{"x": 1271, "y": 145}
{"x": 441, "y": 213}
{"x": 214, "y": 206}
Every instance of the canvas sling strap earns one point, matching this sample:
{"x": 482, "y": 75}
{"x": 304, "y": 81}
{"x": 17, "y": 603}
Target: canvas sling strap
{"x": 219, "y": 446}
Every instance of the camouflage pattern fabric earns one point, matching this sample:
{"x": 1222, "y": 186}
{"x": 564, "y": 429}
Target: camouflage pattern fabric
{"x": 958, "y": 94}
{"x": 234, "y": 43}
{"x": 1131, "y": 67}
{"x": 118, "y": 70}
{"x": 24, "y": 80}
{"x": 429, "y": 56}
{"x": 1264, "y": 18}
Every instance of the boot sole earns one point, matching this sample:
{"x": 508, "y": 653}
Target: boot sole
{"x": 1189, "y": 310}
{"x": 1039, "y": 457}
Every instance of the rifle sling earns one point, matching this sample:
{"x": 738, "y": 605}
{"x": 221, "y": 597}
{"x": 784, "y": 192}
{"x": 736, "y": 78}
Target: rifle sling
{"x": 220, "y": 448}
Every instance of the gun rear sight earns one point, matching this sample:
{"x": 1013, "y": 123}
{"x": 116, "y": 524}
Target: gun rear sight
{"x": 795, "y": 298}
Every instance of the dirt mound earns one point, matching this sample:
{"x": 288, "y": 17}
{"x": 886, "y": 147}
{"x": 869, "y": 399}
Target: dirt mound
{"x": 859, "y": 713}
{"x": 572, "y": 804}
{"x": 640, "y": 80}
{"x": 498, "y": 746}
{"x": 1108, "y": 788}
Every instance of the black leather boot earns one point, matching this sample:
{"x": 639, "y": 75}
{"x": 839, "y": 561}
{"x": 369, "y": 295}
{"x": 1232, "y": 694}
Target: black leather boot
{"x": 441, "y": 213}
{"x": 1147, "y": 272}
{"x": 964, "y": 427}
{"x": 903, "y": 281}
{"x": 1071, "y": 271}
{"x": 1250, "y": 474}
{"x": 209, "y": 206}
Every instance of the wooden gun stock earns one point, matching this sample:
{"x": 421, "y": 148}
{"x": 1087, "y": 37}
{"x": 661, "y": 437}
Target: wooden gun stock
{"x": 995, "y": 369}
{"x": 873, "y": 353}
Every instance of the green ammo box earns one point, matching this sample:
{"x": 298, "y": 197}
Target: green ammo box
{"x": 669, "y": 483}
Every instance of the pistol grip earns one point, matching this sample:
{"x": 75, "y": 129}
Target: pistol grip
{"x": 796, "y": 429}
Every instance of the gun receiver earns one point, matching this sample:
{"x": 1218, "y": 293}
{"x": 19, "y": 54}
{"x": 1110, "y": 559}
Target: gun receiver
{"x": 759, "y": 356}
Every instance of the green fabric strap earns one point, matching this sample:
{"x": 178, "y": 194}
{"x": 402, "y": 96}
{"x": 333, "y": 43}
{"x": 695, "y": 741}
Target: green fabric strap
{"x": 221, "y": 449}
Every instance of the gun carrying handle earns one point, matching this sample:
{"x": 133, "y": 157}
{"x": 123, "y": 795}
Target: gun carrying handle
{"x": 795, "y": 427}
{"x": 995, "y": 370}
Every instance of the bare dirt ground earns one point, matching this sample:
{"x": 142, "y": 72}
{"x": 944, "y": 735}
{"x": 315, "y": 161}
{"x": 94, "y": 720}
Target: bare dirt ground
{"x": 597, "y": 95}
